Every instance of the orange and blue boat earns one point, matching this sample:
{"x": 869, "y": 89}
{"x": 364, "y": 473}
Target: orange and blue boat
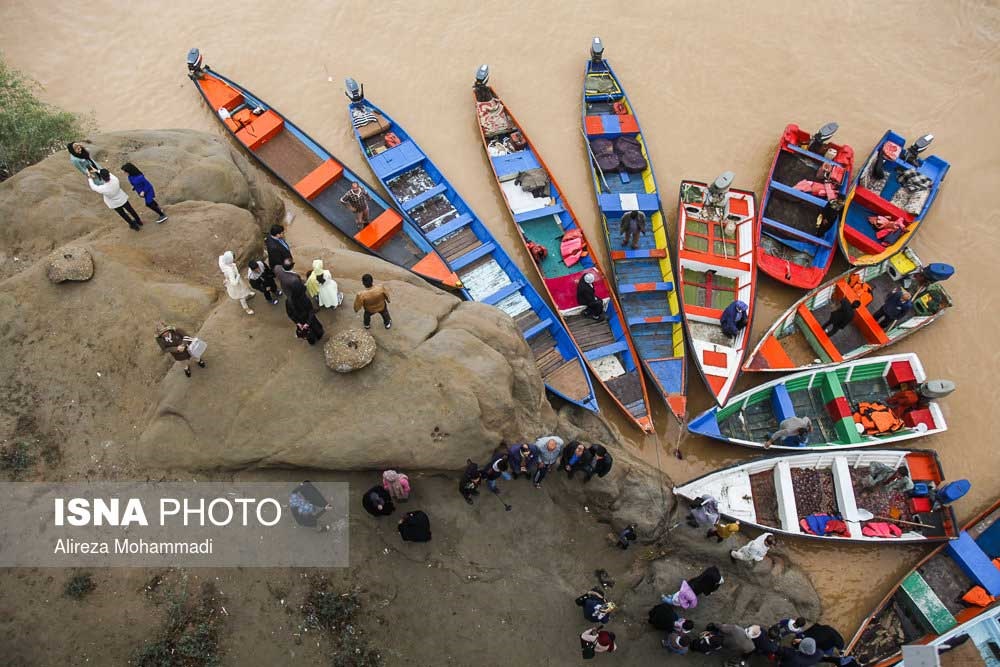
{"x": 488, "y": 273}
{"x": 561, "y": 252}
{"x": 644, "y": 276}
{"x": 315, "y": 175}
{"x": 808, "y": 173}
{"x": 889, "y": 199}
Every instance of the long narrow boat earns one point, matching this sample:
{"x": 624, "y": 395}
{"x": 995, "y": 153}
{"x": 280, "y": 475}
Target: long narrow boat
{"x": 974, "y": 643}
{"x": 830, "y": 398}
{"x": 644, "y": 276}
{"x": 877, "y": 195}
{"x": 793, "y": 248}
{"x": 926, "y": 606}
{"x": 489, "y": 275}
{"x": 797, "y": 340}
{"x": 548, "y": 226}
{"x": 716, "y": 229}
{"x": 315, "y": 175}
{"x": 794, "y": 495}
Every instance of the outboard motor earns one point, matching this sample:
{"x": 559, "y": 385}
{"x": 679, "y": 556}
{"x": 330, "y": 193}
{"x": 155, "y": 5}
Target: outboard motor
{"x": 934, "y": 389}
{"x": 195, "y": 63}
{"x": 482, "y": 75}
{"x": 912, "y": 153}
{"x": 355, "y": 92}
{"x": 597, "y": 50}
{"x": 716, "y": 195}
{"x": 822, "y": 136}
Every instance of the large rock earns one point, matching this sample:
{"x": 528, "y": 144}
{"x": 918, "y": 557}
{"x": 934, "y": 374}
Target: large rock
{"x": 349, "y": 351}
{"x": 70, "y": 262}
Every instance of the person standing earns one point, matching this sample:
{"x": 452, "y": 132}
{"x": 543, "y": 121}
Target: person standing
{"x": 754, "y": 550}
{"x": 633, "y": 225}
{"x": 80, "y": 158}
{"x": 299, "y": 308}
{"x": 523, "y": 460}
{"x": 600, "y": 462}
{"x": 597, "y": 640}
{"x": 235, "y": 287}
{"x": 722, "y": 531}
{"x": 106, "y": 184}
{"x": 897, "y": 304}
{"x": 803, "y": 655}
{"x": 356, "y": 199}
{"x": 144, "y": 189}
{"x": 468, "y": 486}
{"x": 736, "y": 641}
{"x": 377, "y": 502}
{"x": 548, "y": 450}
{"x": 415, "y": 527}
{"x": 494, "y": 471}
{"x": 826, "y": 637}
{"x": 586, "y": 296}
{"x": 321, "y": 286}
{"x": 397, "y": 484}
{"x": 677, "y": 642}
{"x": 261, "y": 277}
{"x": 841, "y": 317}
{"x": 277, "y": 248}
{"x": 175, "y": 342}
{"x": 373, "y": 299}
{"x": 574, "y": 457}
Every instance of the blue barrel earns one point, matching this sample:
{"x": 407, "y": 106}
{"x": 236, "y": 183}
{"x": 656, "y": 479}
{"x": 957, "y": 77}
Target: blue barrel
{"x": 952, "y": 491}
{"x": 938, "y": 272}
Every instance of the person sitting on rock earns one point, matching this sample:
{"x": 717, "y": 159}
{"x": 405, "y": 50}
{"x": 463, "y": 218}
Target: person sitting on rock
{"x": 377, "y": 501}
{"x": 623, "y": 539}
{"x": 523, "y": 460}
{"x": 736, "y": 641}
{"x": 415, "y": 527}
{"x": 600, "y": 462}
{"x": 468, "y": 486}
{"x": 574, "y": 457}
{"x": 307, "y": 512}
{"x": 548, "y": 449}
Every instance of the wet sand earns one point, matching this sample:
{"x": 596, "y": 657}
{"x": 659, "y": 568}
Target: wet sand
{"x": 713, "y": 93}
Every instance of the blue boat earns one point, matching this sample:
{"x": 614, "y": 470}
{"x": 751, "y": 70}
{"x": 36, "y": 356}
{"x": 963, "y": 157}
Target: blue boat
{"x": 315, "y": 175}
{"x": 644, "y": 276}
{"x": 487, "y": 273}
{"x": 898, "y": 208}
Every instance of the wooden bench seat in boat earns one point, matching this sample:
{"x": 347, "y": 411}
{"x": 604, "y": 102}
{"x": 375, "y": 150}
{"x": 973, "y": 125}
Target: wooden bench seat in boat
{"x": 788, "y": 512}
{"x": 379, "y": 125}
{"x": 220, "y": 95}
{"x": 975, "y": 563}
{"x": 843, "y": 486}
{"x": 611, "y": 125}
{"x": 380, "y": 230}
{"x": 319, "y": 179}
{"x": 263, "y": 128}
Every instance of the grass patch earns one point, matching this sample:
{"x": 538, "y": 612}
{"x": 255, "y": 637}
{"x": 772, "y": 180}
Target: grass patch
{"x": 79, "y": 586}
{"x": 334, "y": 613}
{"x": 30, "y": 129}
{"x": 190, "y": 636}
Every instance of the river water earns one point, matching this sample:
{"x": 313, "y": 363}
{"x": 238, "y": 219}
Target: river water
{"x": 713, "y": 88}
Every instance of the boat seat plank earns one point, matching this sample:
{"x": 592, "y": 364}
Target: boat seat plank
{"x": 782, "y": 403}
{"x": 469, "y": 258}
{"x": 792, "y": 231}
{"x": 377, "y": 232}
{"x": 606, "y": 350}
{"x": 537, "y": 329}
{"x": 502, "y": 293}
{"x": 514, "y": 163}
{"x": 628, "y": 201}
{"x": 538, "y": 213}
{"x": 788, "y": 513}
{"x": 631, "y": 288}
{"x": 262, "y": 129}
{"x": 642, "y": 253}
{"x": 319, "y": 179}
{"x": 410, "y": 204}
{"x": 449, "y": 227}
{"x": 798, "y": 194}
{"x": 654, "y": 319}
{"x": 927, "y": 604}
{"x": 396, "y": 160}
{"x": 809, "y": 154}
{"x": 844, "y": 488}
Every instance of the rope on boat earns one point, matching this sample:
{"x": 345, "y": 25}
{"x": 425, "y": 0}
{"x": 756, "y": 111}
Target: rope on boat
{"x": 593, "y": 159}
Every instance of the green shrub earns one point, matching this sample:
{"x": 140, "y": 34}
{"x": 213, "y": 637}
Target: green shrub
{"x": 334, "y": 612}
{"x": 190, "y": 636}
{"x": 30, "y": 129}
{"x": 79, "y": 586}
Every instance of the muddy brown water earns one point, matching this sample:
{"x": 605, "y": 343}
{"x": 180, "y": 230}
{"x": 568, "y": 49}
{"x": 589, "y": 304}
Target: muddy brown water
{"x": 713, "y": 92}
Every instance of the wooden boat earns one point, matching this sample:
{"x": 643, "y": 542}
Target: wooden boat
{"x": 316, "y": 176}
{"x": 644, "y": 277}
{"x": 489, "y": 275}
{"x": 797, "y": 340}
{"x": 777, "y": 494}
{"x": 975, "y": 643}
{"x": 926, "y": 606}
{"x": 829, "y": 397}
{"x": 715, "y": 261}
{"x": 792, "y": 248}
{"x": 546, "y": 222}
{"x": 871, "y": 196}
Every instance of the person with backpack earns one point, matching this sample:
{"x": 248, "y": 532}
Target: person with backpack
{"x": 597, "y": 640}
{"x": 106, "y": 184}
{"x": 144, "y": 189}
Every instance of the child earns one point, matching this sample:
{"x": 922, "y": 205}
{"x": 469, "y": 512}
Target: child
{"x": 144, "y": 189}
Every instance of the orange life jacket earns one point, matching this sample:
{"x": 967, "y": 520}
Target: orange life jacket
{"x": 391, "y": 140}
{"x": 877, "y": 418}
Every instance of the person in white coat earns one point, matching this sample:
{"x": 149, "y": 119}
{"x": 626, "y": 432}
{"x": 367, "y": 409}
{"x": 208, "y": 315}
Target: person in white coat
{"x": 106, "y": 184}
{"x": 754, "y": 550}
{"x": 235, "y": 287}
{"x": 321, "y": 286}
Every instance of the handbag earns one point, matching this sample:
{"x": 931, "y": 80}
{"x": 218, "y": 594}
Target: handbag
{"x": 195, "y": 346}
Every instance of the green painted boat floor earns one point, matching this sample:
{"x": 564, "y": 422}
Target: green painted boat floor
{"x": 547, "y": 232}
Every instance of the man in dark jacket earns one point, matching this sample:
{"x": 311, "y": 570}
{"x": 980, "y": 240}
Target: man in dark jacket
{"x": 803, "y": 655}
{"x": 734, "y": 318}
{"x": 841, "y": 317}
{"x": 826, "y": 638}
{"x": 277, "y": 248}
{"x": 415, "y": 527}
{"x": 897, "y": 303}
{"x": 523, "y": 460}
{"x": 633, "y": 225}
{"x": 468, "y": 486}
{"x": 599, "y": 464}
{"x": 574, "y": 457}
{"x": 586, "y": 295}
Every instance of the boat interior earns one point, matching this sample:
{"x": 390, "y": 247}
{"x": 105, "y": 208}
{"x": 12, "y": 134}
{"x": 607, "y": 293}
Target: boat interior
{"x": 644, "y": 275}
{"x": 318, "y": 178}
{"x": 486, "y": 272}
{"x": 536, "y": 207}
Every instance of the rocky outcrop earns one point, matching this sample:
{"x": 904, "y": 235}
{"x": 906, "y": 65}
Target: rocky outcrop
{"x": 349, "y": 351}
{"x": 70, "y": 262}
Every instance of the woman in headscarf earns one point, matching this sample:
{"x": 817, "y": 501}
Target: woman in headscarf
{"x": 707, "y": 582}
{"x": 377, "y": 502}
{"x": 300, "y": 309}
{"x": 172, "y": 341}
{"x": 415, "y": 527}
{"x": 235, "y": 287}
{"x": 755, "y": 550}
{"x": 321, "y": 286}
{"x": 397, "y": 484}
{"x": 80, "y": 158}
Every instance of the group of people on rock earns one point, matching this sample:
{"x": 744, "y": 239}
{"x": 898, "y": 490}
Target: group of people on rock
{"x": 106, "y": 184}
{"x": 533, "y": 461}
{"x": 381, "y": 499}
